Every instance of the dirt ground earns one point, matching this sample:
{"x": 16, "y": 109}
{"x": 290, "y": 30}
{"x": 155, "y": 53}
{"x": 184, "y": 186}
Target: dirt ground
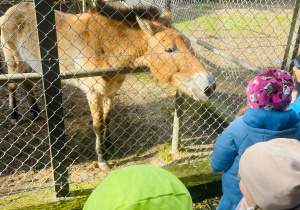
{"x": 142, "y": 122}
{"x": 142, "y": 119}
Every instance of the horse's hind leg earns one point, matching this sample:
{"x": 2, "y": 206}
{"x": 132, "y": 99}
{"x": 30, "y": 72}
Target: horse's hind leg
{"x": 12, "y": 65}
{"x": 11, "y": 87}
{"x": 29, "y": 87}
{"x": 15, "y": 65}
{"x": 34, "y": 109}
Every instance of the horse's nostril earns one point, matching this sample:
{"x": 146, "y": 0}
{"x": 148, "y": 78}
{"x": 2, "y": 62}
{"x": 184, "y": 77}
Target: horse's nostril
{"x": 213, "y": 86}
{"x": 209, "y": 90}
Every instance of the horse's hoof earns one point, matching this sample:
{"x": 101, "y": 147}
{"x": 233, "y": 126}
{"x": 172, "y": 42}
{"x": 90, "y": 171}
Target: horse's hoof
{"x": 14, "y": 115}
{"x": 113, "y": 149}
{"x": 33, "y": 116}
{"x": 34, "y": 112}
{"x": 104, "y": 167}
{"x": 13, "y": 121}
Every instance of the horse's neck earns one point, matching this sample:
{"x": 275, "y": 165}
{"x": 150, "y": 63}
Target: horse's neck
{"x": 121, "y": 38}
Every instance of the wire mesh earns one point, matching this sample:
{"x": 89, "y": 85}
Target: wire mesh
{"x": 141, "y": 118}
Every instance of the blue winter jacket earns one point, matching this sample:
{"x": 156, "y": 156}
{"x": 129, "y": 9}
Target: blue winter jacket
{"x": 256, "y": 125}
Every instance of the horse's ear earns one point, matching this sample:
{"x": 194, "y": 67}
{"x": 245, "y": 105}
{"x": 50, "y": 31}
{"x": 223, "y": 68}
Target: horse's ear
{"x": 145, "y": 25}
{"x": 167, "y": 14}
{"x": 167, "y": 18}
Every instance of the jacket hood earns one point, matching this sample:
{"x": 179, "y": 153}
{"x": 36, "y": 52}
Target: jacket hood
{"x": 140, "y": 187}
{"x": 261, "y": 124}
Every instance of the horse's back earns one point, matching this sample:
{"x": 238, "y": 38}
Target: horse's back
{"x": 18, "y": 18}
{"x": 19, "y": 35}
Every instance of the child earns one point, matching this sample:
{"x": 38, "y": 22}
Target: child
{"x": 270, "y": 175}
{"x": 140, "y": 187}
{"x": 295, "y": 99}
{"x": 268, "y": 95}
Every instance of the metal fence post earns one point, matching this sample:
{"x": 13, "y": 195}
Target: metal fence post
{"x": 293, "y": 40}
{"x": 53, "y": 98}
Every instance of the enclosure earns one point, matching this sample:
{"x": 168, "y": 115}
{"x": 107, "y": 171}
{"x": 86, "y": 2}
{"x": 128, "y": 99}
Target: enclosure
{"x": 234, "y": 39}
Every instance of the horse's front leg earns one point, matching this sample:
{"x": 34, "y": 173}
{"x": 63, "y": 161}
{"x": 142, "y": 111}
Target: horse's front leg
{"x": 96, "y": 106}
{"x": 107, "y": 145}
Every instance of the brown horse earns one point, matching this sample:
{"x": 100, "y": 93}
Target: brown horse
{"x": 104, "y": 37}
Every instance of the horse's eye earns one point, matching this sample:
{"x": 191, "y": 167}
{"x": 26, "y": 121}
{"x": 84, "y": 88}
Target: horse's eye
{"x": 170, "y": 49}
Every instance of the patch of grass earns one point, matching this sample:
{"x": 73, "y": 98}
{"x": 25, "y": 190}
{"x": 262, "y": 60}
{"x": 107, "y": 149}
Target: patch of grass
{"x": 45, "y": 198}
{"x": 167, "y": 155}
{"x": 164, "y": 152}
{"x": 145, "y": 77}
{"x": 185, "y": 26}
{"x": 210, "y": 24}
{"x": 207, "y": 204}
{"x": 238, "y": 23}
{"x": 242, "y": 22}
{"x": 283, "y": 19}
{"x": 169, "y": 110}
{"x": 202, "y": 6}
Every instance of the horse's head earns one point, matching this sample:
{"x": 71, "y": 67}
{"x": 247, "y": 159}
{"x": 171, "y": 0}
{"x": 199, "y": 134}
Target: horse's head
{"x": 172, "y": 59}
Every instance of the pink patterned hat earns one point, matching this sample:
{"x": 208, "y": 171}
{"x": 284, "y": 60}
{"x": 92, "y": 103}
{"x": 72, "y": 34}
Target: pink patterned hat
{"x": 271, "y": 90}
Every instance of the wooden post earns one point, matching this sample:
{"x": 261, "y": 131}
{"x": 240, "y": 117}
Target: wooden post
{"x": 60, "y": 5}
{"x": 168, "y": 4}
{"x": 52, "y": 90}
{"x": 293, "y": 40}
{"x": 83, "y": 6}
{"x": 176, "y": 140}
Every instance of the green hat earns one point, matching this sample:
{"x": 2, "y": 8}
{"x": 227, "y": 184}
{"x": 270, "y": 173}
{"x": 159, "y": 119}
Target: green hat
{"x": 140, "y": 187}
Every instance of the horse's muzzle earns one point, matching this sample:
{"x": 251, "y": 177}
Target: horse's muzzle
{"x": 202, "y": 86}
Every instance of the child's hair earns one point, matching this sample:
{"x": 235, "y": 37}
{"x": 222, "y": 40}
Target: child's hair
{"x": 271, "y": 90}
{"x": 241, "y": 112}
{"x": 271, "y": 172}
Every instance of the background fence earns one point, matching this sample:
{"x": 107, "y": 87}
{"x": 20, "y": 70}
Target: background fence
{"x": 253, "y": 34}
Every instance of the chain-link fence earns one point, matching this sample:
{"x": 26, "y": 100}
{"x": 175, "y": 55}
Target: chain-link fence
{"x": 135, "y": 118}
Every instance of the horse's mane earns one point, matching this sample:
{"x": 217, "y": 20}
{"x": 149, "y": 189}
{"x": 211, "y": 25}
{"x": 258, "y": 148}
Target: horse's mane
{"x": 127, "y": 14}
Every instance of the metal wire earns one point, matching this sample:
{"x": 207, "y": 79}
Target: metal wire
{"x": 141, "y": 120}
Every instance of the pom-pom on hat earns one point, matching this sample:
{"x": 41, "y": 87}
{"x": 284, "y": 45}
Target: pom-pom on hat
{"x": 271, "y": 90}
{"x": 271, "y": 172}
{"x": 140, "y": 187}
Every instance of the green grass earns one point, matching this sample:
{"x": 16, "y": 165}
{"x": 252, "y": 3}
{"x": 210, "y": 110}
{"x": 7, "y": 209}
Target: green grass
{"x": 144, "y": 77}
{"x": 237, "y": 23}
{"x": 44, "y": 198}
{"x": 207, "y": 204}
{"x": 202, "y": 6}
